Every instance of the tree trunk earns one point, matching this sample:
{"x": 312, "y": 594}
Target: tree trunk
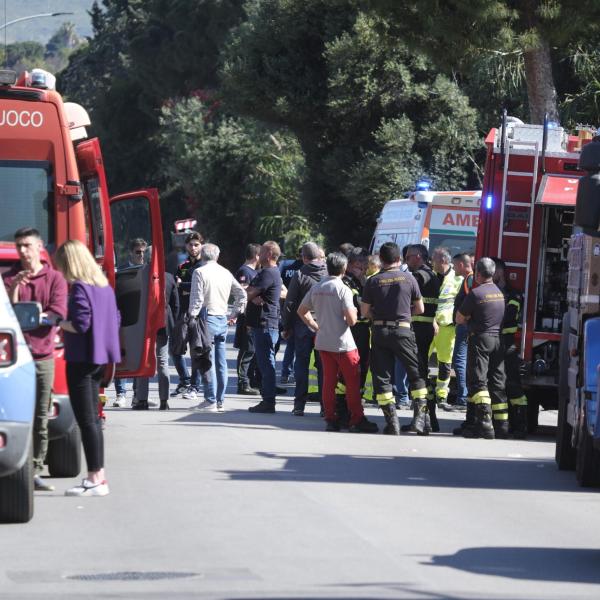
{"x": 541, "y": 91}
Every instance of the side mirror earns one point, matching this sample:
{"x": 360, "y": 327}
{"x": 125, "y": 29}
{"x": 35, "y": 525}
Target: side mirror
{"x": 28, "y": 315}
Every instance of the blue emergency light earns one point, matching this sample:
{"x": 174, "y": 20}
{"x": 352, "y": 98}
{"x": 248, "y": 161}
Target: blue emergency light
{"x": 489, "y": 202}
{"x": 423, "y": 185}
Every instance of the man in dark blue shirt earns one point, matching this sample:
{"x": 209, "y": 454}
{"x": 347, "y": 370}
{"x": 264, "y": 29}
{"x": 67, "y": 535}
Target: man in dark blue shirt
{"x": 248, "y": 377}
{"x": 288, "y": 269}
{"x": 262, "y": 315}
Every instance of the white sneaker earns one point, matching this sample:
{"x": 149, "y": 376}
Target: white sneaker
{"x": 87, "y": 488}
{"x": 120, "y": 401}
{"x": 220, "y": 407}
{"x": 189, "y": 394}
{"x": 206, "y": 406}
{"x": 152, "y": 404}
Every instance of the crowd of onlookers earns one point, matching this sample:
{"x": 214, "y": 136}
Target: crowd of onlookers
{"x": 357, "y": 328}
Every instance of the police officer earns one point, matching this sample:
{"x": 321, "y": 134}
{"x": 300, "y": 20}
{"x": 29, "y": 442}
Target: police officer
{"x": 390, "y": 298}
{"x": 422, "y": 324}
{"x": 517, "y": 400}
{"x": 483, "y": 310}
{"x": 443, "y": 328}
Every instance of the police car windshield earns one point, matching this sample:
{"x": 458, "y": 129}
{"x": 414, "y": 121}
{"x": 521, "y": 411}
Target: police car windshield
{"x": 26, "y": 199}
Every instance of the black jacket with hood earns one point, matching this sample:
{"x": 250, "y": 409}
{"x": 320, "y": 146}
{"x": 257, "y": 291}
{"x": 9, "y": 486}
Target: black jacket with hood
{"x": 301, "y": 282}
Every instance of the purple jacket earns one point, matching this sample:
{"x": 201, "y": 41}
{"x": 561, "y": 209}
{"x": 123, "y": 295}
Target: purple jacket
{"x": 94, "y": 315}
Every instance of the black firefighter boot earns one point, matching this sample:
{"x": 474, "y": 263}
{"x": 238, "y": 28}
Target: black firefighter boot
{"x": 420, "y": 422}
{"x": 468, "y": 423}
{"x": 520, "y": 422}
{"x": 501, "y": 429}
{"x": 392, "y": 425}
{"x": 431, "y": 406}
{"x": 483, "y": 423}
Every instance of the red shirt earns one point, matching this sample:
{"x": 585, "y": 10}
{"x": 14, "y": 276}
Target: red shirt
{"x": 49, "y": 288}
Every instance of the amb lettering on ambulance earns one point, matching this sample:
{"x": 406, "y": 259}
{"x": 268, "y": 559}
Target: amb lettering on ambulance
{"x": 52, "y": 178}
{"x": 448, "y": 219}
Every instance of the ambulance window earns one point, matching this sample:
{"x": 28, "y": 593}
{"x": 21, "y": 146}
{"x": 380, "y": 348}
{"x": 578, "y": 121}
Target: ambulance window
{"x": 455, "y": 244}
{"x": 27, "y": 189}
{"x": 92, "y": 187}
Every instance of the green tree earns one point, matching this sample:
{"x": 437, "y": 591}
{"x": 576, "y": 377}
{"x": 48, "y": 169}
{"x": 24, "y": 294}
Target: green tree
{"x": 240, "y": 179}
{"x": 456, "y": 34}
{"x": 370, "y": 116}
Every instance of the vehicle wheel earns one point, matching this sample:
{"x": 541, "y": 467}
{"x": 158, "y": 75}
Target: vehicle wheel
{"x": 565, "y": 455}
{"x": 16, "y": 493}
{"x": 587, "y": 467}
{"x": 64, "y": 455}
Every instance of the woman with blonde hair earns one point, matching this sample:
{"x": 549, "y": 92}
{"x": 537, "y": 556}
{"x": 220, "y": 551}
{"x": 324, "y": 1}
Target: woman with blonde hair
{"x": 91, "y": 337}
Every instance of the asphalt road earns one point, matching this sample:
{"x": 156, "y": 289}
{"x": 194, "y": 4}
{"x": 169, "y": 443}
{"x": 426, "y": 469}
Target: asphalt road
{"x": 237, "y": 505}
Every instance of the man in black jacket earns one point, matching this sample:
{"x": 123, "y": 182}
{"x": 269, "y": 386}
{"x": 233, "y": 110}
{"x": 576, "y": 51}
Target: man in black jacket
{"x": 311, "y": 272}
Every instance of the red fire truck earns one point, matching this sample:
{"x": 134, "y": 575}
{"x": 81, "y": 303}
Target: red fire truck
{"x": 52, "y": 178}
{"x": 526, "y": 218}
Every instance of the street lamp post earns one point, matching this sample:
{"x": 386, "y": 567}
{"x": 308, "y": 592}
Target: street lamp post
{"x": 54, "y": 14}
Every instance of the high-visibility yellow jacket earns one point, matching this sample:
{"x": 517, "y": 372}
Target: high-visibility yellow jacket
{"x": 448, "y": 291}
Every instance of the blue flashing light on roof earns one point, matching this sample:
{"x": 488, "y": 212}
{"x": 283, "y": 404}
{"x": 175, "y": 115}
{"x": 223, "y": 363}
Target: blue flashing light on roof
{"x": 423, "y": 185}
{"x": 489, "y": 202}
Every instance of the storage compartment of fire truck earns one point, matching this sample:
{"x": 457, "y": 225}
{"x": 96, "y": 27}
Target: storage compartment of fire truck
{"x": 551, "y": 297}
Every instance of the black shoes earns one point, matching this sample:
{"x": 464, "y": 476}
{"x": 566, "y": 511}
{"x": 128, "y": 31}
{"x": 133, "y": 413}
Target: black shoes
{"x": 364, "y": 426}
{"x": 164, "y": 405}
{"x": 246, "y": 390}
{"x": 140, "y": 405}
{"x": 431, "y": 406}
{"x": 332, "y": 426}
{"x": 281, "y": 391}
{"x": 263, "y": 407}
{"x": 482, "y": 427}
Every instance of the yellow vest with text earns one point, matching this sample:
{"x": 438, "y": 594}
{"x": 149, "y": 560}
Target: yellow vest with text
{"x": 448, "y": 291}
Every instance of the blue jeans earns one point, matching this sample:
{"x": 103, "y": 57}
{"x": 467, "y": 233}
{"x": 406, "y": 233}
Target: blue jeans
{"x": 401, "y": 383}
{"x": 459, "y": 362}
{"x": 287, "y": 366}
{"x": 120, "y": 386}
{"x": 264, "y": 348}
{"x": 304, "y": 342}
{"x": 217, "y": 327}
{"x": 181, "y": 368}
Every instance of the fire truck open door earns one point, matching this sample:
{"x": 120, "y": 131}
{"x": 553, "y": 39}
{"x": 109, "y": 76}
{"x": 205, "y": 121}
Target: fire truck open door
{"x": 139, "y": 288}
{"x": 96, "y": 205}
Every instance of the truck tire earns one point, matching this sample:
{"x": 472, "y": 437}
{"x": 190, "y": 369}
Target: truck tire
{"x": 64, "y": 455}
{"x": 16, "y": 493}
{"x": 565, "y": 455}
{"x": 587, "y": 468}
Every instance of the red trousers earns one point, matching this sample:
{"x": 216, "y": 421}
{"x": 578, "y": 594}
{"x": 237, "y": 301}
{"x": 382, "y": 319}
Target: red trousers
{"x": 348, "y": 364}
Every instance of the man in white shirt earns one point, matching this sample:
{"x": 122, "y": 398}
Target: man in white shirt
{"x": 212, "y": 285}
{"x": 335, "y": 313}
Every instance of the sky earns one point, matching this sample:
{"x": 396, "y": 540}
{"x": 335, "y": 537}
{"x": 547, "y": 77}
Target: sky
{"x": 40, "y": 29}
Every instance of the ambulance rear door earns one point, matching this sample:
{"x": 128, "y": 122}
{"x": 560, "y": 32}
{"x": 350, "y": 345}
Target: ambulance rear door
{"x": 401, "y": 221}
{"x": 453, "y": 224}
{"x": 139, "y": 288}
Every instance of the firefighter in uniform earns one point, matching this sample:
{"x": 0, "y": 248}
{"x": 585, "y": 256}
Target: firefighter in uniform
{"x": 517, "y": 400}
{"x": 444, "y": 329}
{"x": 483, "y": 310}
{"x": 389, "y": 299}
{"x": 422, "y": 324}
{"x": 358, "y": 261}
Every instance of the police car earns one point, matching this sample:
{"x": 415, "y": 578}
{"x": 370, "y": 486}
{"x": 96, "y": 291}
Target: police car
{"x": 17, "y": 402}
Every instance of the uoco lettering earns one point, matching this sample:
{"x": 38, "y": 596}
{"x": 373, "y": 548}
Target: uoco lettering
{"x": 21, "y": 118}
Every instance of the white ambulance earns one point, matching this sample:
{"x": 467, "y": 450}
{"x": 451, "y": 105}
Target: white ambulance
{"x": 447, "y": 219}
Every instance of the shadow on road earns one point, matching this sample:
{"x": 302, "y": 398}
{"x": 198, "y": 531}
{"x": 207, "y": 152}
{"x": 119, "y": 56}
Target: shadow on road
{"x": 475, "y": 473}
{"x": 576, "y": 565}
